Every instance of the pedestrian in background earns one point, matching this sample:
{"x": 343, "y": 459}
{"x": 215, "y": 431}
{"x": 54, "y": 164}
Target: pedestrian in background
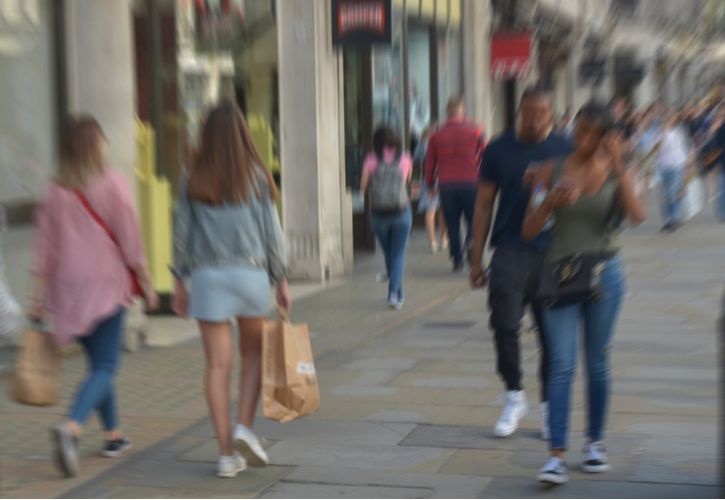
{"x": 585, "y": 196}
{"x": 88, "y": 253}
{"x": 671, "y": 163}
{"x": 429, "y": 199}
{"x": 453, "y": 156}
{"x": 515, "y": 266}
{"x": 387, "y": 171}
{"x": 228, "y": 243}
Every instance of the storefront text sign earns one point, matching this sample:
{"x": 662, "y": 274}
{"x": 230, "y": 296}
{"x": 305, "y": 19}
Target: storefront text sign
{"x": 510, "y": 55}
{"x": 361, "y": 22}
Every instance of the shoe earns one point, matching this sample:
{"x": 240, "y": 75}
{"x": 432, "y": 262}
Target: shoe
{"x": 444, "y": 244}
{"x": 230, "y": 466}
{"x": 515, "y": 408}
{"x": 114, "y": 449}
{"x": 396, "y": 303}
{"x": 667, "y": 228}
{"x": 66, "y": 450}
{"x": 248, "y": 445}
{"x": 434, "y": 248}
{"x": 381, "y": 277}
{"x": 595, "y": 458}
{"x": 553, "y": 472}
{"x": 457, "y": 266}
{"x": 544, "y": 416}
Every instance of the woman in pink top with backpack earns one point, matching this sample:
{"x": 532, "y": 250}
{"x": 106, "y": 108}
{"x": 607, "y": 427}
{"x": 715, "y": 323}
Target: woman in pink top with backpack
{"x": 386, "y": 175}
{"x": 89, "y": 263}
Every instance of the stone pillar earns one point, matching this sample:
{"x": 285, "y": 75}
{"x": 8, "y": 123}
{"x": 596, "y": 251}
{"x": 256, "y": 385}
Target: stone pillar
{"x": 312, "y": 162}
{"x": 101, "y": 73}
{"x": 477, "y": 83}
{"x": 99, "y": 53}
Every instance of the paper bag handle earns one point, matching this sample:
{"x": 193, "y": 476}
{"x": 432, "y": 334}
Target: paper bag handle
{"x": 283, "y": 315}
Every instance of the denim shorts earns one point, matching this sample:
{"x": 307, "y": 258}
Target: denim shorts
{"x": 221, "y": 293}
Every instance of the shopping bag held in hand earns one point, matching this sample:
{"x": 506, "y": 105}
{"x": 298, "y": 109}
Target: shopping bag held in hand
{"x": 289, "y": 378}
{"x": 37, "y": 369}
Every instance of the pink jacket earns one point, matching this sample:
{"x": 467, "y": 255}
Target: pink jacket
{"x": 87, "y": 274}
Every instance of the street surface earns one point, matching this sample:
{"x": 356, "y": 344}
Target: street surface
{"x": 409, "y": 398}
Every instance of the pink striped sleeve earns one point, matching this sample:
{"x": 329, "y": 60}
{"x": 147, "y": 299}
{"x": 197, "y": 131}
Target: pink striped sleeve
{"x": 370, "y": 164}
{"x": 126, "y": 227}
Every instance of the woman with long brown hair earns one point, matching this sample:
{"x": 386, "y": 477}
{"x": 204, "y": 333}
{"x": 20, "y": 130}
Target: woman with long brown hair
{"x": 88, "y": 261}
{"x": 228, "y": 243}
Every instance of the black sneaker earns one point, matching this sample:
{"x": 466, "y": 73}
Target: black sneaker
{"x": 114, "y": 449}
{"x": 457, "y": 266}
{"x": 553, "y": 472}
{"x": 595, "y": 458}
{"x": 66, "y": 450}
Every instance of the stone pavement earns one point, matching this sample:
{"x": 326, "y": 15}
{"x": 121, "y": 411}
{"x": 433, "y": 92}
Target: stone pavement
{"x": 408, "y": 399}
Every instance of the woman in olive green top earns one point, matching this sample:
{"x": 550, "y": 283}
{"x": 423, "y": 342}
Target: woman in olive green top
{"x": 578, "y": 199}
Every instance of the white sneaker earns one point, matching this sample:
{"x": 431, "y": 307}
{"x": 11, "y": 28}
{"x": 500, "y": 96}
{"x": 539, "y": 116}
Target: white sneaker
{"x": 553, "y": 472}
{"x": 381, "y": 277}
{"x": 248, "y": 445}
{"x": 434, "y": 247}
{"x": 515, "y": 408}
{"x": 230, "y": 466}
{"x": 544, "y": 416}
{"x": 595, "y": 458}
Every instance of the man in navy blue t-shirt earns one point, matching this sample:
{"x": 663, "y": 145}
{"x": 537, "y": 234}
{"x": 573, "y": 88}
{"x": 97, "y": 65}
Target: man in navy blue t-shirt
{"x": 516, "y": 265}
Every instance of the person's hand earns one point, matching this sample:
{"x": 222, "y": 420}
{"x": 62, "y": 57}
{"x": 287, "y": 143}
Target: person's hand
{"x": 477, "y": 277}
{"x": 180, "y": 301}
{"x": 284, "y": 300}
{"x": 36, "y": 311}
{"x": 564, "y": 193}
{"x": 613, "y": 146}
{"x": 152, "y": 300}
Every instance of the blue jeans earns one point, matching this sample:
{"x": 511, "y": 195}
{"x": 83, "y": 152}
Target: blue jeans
{"x": 672, "y": 185}
{"x": 720, "y": 204}
{"x": 562, "y": 332}
{"x": 457, "y": 201}
{"x": 393, "y": 232}
{"x": 103, "y": 348}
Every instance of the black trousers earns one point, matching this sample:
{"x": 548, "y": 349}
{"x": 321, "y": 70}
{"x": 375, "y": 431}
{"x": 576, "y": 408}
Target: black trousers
{"x": 513, "y": 283}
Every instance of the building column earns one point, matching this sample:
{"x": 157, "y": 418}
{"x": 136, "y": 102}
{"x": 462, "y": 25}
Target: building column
{"x": 477, "y": 82}
{"x": 99, "y": 49}
{"x": 311, "y": 152}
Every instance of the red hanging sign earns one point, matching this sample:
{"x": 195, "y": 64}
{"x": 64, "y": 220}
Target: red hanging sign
{"x": 510, "y": 55}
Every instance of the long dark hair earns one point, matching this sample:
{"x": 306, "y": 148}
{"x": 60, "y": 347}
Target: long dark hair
{"x": 227, "y": 167}
{"x": 598, "y": 115}
{"x": 385, "y": 137}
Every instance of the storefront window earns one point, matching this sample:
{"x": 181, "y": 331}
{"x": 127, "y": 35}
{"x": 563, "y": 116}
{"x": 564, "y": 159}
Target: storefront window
{"x": 387, "y": 78}
{"x": 27, "y": 104}
{"x": 449, "y": 68}
{"x": 419, "y": 76}
{"x": 233, "y": 55}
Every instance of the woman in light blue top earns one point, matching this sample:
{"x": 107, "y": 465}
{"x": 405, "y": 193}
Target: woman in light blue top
{"x": 228, "y": 242}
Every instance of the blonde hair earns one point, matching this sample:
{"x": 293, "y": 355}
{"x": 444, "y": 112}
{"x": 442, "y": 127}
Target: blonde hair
{"x": 81, "y": 154}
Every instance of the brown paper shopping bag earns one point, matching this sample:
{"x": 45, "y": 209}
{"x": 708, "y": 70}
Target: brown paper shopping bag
{"x": 289, "y": 378}
{"x": 37, "y": 370}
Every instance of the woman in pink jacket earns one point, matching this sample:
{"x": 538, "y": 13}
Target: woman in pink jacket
{"x": 89, "y": 263}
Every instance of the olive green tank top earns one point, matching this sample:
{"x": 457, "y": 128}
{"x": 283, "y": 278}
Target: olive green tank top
{"x": 588, "y": 226}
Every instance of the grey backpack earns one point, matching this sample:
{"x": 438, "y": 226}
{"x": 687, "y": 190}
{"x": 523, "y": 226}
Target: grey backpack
{"x": 388, "y": 189}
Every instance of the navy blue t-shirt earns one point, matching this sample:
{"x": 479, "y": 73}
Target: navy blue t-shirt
{"x": 504, "y": 162}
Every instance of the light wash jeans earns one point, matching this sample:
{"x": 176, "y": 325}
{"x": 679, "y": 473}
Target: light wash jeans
{"x": 562, "y": 335}
{"x": 393, "y": 232}
{"x": 103, "y": 348}
{"x": 672, "y": 183}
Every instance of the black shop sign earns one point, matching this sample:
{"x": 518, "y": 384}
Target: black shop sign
{"x": 361, "y": 22}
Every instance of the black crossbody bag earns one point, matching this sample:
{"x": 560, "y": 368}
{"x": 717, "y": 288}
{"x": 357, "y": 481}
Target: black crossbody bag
{"x": 577, "y": 278}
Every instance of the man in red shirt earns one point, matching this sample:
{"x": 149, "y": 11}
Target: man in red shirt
{"x": 454, "y": 152}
